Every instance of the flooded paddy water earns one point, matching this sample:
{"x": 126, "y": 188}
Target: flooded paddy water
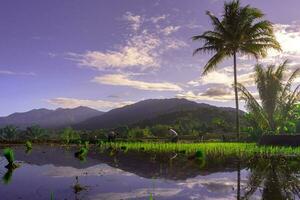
{"x": 53, "y": 172}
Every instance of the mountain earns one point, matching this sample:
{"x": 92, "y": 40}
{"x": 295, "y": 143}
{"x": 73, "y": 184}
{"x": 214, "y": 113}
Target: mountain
{"x": 211, "y": 118}
{"x": 50, "y": 118}
{"x": 150, "y": 109}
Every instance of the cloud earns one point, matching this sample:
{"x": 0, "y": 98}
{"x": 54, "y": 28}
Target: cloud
{"x": 173, "y": 43}
{"x": 158, "y": 18}
{"x": 170, "y": 29}
{"x": 288, "y": 35}
{"x": 134, "y": 20}
{"x": 8, "y": 72}
{"x": 96, "y": 104}
{"x": 125, "y": 80}
{"x": 143, "y": 49}
{"x": 220, "y": 94}
{"x": 224, "y": 76}
{"x": 139, "y": 51}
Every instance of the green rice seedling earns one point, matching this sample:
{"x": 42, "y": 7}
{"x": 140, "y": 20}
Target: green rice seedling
{"x": 199, "y": 154}
{"x": 82, "y": 153}
{"x": 28, "y": 145}
{"x": 211, "y": 149}
{"x": 151, "y": 197}
{"x": 9, "y": 155}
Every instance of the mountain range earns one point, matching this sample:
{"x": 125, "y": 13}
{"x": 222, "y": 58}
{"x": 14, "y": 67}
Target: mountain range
{"x": 145, "y": 112}
{"x": 46, "y": 118}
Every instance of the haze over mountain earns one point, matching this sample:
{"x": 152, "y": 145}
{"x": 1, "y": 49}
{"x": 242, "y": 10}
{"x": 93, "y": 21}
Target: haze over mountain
{"x": 152, "y": 109}
{"x": 46, "y": 118}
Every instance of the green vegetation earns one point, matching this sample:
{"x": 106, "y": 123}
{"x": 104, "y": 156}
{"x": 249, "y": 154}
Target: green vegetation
{"x": 35, "y": 133}
{"x": 275, "y": 177}
{"x": 9, "y": 156}
{"x": 215, "y": 149}
{"x": 69, "y": 135}
{"x": 8, "y": 133}
{"x": 278, "y": 111}
{"x": 83, "y": 151}
{"x": 241, "y": 30}
{"x": 28, "y": 145}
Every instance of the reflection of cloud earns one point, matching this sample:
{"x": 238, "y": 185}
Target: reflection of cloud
{"x": 97, "y": 170}
{"x": 139, "y": 193}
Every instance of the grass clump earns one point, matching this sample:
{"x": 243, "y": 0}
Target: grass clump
{"x": 28, "y": 145}
{"x": 8, "y": 153}
{"x": 82, "y": 153}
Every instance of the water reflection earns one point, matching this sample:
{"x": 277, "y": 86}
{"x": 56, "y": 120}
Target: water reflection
{"x": 7, "y": 177}
{"x": 113, "y": 175}
{"x": 274, "y": 177}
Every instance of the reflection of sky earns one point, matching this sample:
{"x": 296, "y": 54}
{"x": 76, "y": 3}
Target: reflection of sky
{"x": 105, "y": 182}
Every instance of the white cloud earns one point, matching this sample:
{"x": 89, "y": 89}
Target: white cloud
{"x": 158, "y": 18}
{"x": 124, "y": 80}
{"x": 224, "y": 76}
{"x": 96, "y": 104}
{"x": 144, "y": 49}
{"x": 174, "y": 44}
{"x": 211, "y": 94}
{"x": 288, "y": 35}
{"x": 8, "y": 72}
{"x": 170, "y": 29}
{"x": 138, "y": 52}
{"x": 134, "y": 20}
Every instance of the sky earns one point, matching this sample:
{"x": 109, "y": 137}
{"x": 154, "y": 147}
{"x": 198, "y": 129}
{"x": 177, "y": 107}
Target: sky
{"x": 107, "y": 54}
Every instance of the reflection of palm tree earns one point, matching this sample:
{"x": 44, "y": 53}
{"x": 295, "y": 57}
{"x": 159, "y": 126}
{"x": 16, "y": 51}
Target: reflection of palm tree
{"x": 276, "y": 176}
{"x": 241, "y": 30}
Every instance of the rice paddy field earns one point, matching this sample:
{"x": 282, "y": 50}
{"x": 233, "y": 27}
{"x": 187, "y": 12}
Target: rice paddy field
{"x": 146, "y": 170}
{"x": 216, "y": 149}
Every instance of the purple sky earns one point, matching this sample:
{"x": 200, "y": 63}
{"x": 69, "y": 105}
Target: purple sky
{"x": 106, "y": 54}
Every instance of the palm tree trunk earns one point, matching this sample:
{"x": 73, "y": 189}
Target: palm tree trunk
{"x": 236, "y": 99}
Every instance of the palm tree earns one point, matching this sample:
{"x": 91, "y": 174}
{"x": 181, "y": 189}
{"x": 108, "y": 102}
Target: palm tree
{"x": 277, "y": 98}
{"x": 240, "y": 31}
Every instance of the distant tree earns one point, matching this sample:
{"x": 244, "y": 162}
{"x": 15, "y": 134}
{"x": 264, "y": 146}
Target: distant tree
{"x": 9, "y": 132}
{"x": 241, "y": 30}
{"x": 139, "y": 132}
{"x": 69, "y": 135}
{"x": 35, "y": 132}
{"x": 122, "y": 131}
